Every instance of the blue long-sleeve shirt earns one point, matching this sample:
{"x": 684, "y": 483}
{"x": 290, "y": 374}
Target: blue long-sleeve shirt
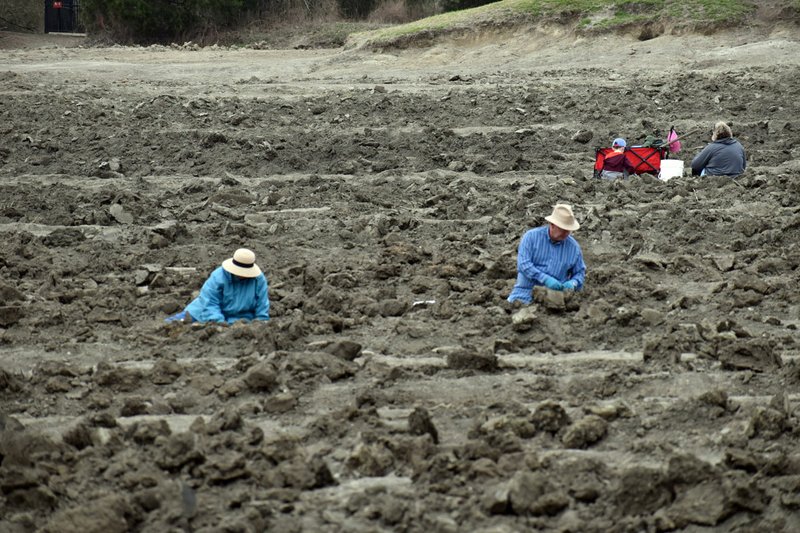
{"x": 538, "y": 257}
{"x": 228, "y": 298}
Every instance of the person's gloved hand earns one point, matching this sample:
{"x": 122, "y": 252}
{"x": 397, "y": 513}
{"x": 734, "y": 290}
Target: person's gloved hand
{"x": 570, "y": 285}
{"x": 553, "y": 284}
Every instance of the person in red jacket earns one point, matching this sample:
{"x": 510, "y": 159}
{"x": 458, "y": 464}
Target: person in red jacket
{"x": 615, "y": 164}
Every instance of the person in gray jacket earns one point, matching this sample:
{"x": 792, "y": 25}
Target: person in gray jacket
{"x": 724, "y": 156}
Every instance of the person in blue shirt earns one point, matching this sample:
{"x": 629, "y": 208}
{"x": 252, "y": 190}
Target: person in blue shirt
{"x": 237, "y": 290}
{"x": 550, "y": 256}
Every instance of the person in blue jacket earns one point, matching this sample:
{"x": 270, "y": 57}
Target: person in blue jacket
{"x": 550, "y": 256}
{"x": 237, "y": 290}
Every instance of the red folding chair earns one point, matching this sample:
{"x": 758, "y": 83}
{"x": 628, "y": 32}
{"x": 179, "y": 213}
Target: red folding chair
{"x": 644, "y": 159}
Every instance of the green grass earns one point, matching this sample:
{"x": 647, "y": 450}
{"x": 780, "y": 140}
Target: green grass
{"x": 587, "y": 14}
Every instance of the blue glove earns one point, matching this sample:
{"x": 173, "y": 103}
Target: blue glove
{"x": 570, "y": 285}
{"x": 553, "y": 284}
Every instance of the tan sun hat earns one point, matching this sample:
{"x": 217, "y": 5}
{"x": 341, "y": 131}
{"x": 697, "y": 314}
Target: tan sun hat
{"x": 243, "y": 263}
{"x": 563, "y": 218}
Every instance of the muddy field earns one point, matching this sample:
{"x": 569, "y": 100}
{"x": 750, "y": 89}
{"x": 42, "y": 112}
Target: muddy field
{"x": 384, "y": 194}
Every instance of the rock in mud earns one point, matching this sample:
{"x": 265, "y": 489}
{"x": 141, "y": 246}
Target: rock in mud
{"x": 120, "y": 215}
{"x": 524, "y": 319}
{"x": 585, "y": 432}
{"x": 551, "y": 300}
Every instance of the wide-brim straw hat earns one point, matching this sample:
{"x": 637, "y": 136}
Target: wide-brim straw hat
{"x": 563, "y": 217}
{"x": 243, "y": 263}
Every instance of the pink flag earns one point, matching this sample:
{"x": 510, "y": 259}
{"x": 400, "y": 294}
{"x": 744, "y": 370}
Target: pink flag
{"x": 674, "y": 143}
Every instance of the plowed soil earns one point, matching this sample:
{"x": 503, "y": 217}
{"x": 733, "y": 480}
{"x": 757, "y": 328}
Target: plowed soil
{"x": 384, "y": 193}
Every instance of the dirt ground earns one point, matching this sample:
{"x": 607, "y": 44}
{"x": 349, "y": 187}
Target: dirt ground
{"x": 385, "y": 192}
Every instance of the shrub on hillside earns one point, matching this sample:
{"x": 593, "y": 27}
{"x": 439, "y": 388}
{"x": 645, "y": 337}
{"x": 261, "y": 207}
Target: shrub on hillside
{"x": 356, "y": 9}
{"x": 456, "y": 5}
{"x": 402, "y": 11}
{"x": 161, "y": 20}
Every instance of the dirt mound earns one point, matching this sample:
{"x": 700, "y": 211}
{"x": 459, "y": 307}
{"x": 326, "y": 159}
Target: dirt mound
{"x": 27, "y": 41}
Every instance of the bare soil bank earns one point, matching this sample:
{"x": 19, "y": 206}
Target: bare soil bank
{"x": 384, "y": 195}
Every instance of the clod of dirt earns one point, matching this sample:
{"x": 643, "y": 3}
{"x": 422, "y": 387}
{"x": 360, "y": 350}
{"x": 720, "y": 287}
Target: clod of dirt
{"x": 585, "y": 432}
{"x": 772, "y": 421}
{"x": 534, "y": 493}
{"x": 20, "y": 446}
{"x": 10, "y": 315}
{"x": 583, "y": 136}
{"x": 106, "y": 514}
{"x": 711, "y": 502}
{"x": 117, "y": 378}
{"x": 281, "y": 402}
{"x": 312, "y": 365}
{"x": 165, "y": 372}
{"x": 463, "y": 358}
{"x": 755, "y": 354}
{"x": 262, "y": 377}
{"x": 688, "y": 469}
{"x": 344, "y": 349}
{"x": 641, "y": 490}
{"x": 147, "y": 432}
{"x": 371, "y": 459}
{"x": 550, "y": 416}
{"x": 62, "y": 237}
{"x": 420, "y": 423}
{"x": 716, "y": 398}
{"x": 10, "y": 294}
{"x": 79, "y": 436}
{"x": 393, "y": 307}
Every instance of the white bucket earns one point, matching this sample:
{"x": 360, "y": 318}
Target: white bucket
{"x": 670, "y": 168}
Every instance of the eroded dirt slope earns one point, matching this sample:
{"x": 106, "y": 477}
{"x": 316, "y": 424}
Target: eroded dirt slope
{"x": 384, "y": 195}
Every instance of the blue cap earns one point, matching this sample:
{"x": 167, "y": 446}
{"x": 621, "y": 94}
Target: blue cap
{"x": 619, "y": 141}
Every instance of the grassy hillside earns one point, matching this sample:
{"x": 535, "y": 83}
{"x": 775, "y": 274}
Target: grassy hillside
{"x": 586, "y": 16}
